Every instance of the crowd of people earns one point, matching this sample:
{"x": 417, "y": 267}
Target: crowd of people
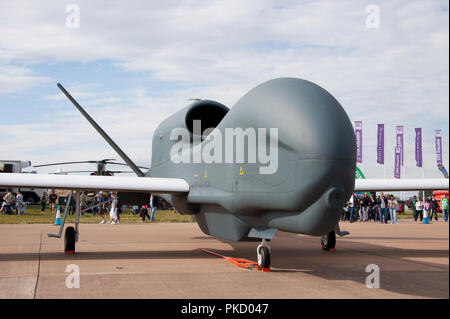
{"x": 367, "y": 207}
{"x": 430, "y": 207}
{"x": 100, "y": 204}
{"x": 11, "y": 202}
{"x": 384, "y": 208}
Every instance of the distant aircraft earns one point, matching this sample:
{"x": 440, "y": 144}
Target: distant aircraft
{"x": 100, "y": 171}
{"x": 282, "y": 158}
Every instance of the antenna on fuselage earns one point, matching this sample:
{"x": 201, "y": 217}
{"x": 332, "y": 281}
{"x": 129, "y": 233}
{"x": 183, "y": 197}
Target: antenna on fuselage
{"x": 97, "y": 127}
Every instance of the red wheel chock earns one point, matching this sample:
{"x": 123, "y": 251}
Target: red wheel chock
{"x": 238, "y": 262}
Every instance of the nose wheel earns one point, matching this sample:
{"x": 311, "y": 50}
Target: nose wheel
{"x": 263, "y": 256}
{"x": 328, "y": 241}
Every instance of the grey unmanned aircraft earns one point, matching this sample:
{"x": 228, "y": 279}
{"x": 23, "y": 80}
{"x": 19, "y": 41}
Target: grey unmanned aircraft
{"x": 282, "y": 158}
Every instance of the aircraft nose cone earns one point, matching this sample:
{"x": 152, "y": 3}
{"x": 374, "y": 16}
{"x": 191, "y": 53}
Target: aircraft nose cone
{"x": 335, "y": 198}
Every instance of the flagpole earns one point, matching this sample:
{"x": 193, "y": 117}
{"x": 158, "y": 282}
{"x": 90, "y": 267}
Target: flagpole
{"x": 423, "y": 176}
{"x": 442, "y": 150}
{"x": 404, "y": 167}
{"x": 423, "y": 163}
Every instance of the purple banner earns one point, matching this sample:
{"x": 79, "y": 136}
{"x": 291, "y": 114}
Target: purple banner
{"x": 418, "y": 147}
{"x": 398, "y": 155}
{"x": 358, "y": 133}
{"x": 439, "y": 147}
{"x": 399, "y": 141}
{"x": 380, "y": 144}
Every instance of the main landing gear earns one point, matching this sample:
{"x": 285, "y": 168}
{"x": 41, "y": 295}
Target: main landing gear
{"x": 69, "y": 240}
{"x": 263, "y": 254}
{"x": 71, "y": 233}
{"x": 328, "y": 241}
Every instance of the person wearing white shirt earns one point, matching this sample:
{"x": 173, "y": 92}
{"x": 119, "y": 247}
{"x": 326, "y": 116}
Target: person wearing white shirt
{"x": 351, "y": 208}
{"x": 20, "y": 204}
{"x": 392, "y": 204}
{"x": 113, "y": 212}
{"x": 419, "y": 209}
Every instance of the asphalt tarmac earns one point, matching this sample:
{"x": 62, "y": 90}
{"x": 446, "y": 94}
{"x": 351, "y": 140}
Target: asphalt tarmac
{"x": 165, "y": 261}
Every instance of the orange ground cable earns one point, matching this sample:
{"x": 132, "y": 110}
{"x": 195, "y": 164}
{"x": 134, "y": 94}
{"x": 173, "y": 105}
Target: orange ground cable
{"x": 237, "y": 261}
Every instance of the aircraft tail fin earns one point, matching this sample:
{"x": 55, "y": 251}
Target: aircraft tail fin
{"x": 103, "y": 133}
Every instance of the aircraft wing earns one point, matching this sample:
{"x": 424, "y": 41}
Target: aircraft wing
{"x": 369, "y": 185}
{"x": 85, "y": 182}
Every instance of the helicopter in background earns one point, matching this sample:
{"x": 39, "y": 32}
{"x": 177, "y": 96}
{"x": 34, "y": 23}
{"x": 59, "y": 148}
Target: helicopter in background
{"x": 99, "y": 171}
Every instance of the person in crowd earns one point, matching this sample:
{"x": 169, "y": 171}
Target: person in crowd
{"x": 426, "y": 206}
{"x": 101, "y": 198}
{"x": 393, "y": 205}
{"x": 380, "y": 216}
{"x": 52, "y": 200}
{"x": 119, "y": 211}
{"x": 94, "y": 208}
{"x": 357, "y": 208}
{"x": 20, "y": 205}
{"x": 364, "y": 209}
{"x": 387, "y": 214}
{"x": 144, "y": 213}
{"x": 43, "y": 201}
{"x": 152, "y": 209}
{"x": 135, "y": 210}
{"x": 344, "y": 212}
{"x": 383, "y": 208}
{"x": 372, "y": 207}
{"x": 113, "y": 211}
{"x": 9, "y": 200}
{"x": 412, "y": 203}
{"x": 351, "y": 207}
{"x": 433, "y": 208}
{"x": 72, "y": 205}
{"x": 93, "y": 202}
{"x": 419, "y": 209}
{"x": 444, "y": 207}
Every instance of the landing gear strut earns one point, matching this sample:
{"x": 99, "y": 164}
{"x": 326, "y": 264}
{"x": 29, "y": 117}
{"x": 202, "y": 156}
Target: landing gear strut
{"x": 328, "y": 241}
{"x": 263, "y": 254}
{"x": 71, "y": 233}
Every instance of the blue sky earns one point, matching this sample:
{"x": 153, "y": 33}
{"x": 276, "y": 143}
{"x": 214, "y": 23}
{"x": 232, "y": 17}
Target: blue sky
{"x": 133, "y": 64}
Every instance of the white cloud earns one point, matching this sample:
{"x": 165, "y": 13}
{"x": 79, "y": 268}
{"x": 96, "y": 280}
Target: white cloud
{"x": 15, "y": 79}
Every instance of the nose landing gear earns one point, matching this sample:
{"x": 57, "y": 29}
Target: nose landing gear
{"x": 263, "y": 255}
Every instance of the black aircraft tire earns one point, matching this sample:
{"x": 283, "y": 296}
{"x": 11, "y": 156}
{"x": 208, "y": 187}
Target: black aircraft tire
{"x": 328, "y": 241}
{"x": 69, "y": 240}
{"x": 264, "y": 258}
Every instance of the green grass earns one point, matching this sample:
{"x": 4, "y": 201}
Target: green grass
{"x": 33, "y": 215}
{"x": 407, "y": 214}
